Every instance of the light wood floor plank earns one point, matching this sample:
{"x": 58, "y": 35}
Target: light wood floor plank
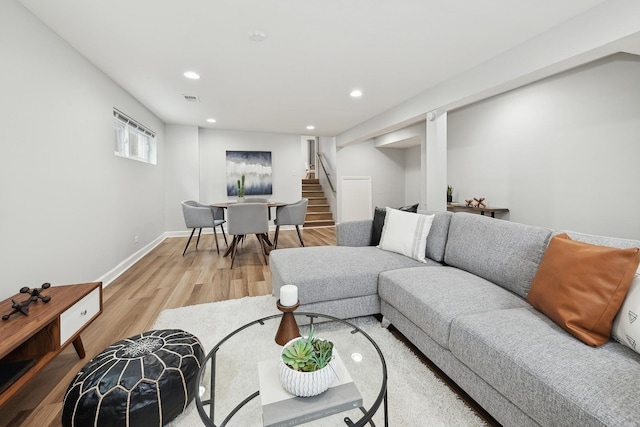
{"x": 162, "y": 279}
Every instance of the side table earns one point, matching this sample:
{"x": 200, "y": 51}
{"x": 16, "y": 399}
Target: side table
{"x": 28, "y": 343}
{"x": 490, "y": 210}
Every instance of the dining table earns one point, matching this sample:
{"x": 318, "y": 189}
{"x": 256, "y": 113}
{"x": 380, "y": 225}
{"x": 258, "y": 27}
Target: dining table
{"x": 270, "y": 204}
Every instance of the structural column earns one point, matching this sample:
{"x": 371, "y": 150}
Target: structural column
{"x": 435, "y": 160}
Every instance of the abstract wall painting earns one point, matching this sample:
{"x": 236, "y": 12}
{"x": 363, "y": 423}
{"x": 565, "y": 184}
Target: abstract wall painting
{"x": 256, "y": 167}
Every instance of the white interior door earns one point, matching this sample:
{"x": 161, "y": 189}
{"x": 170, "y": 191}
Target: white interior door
{"x": 355, "y": 196}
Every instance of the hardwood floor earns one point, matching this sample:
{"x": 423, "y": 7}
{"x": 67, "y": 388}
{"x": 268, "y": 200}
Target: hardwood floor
{"x": 164, "y": 279}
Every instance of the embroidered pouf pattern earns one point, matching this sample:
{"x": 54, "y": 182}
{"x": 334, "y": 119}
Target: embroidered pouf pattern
{"x": 147, "y": 379}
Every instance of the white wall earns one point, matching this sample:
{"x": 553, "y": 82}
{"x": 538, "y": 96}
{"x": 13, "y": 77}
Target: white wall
{"x": 285, "y": 160}
{"x": 384, "y": 165}
{"x": 412, "y": 175}
{"x": 410, "y": 140}
{"x": 196, "y": 166}
{"x": 182, "y": 172}
{"x": 561, "y": 153}
{"x": 70, "y": 207}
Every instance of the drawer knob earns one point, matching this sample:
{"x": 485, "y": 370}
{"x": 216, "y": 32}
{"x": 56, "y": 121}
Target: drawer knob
{"x": 83, "y": 312}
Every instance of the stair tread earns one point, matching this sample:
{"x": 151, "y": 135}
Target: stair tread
{"x": 325, "y": 223}
{"x": 318, "y": 211}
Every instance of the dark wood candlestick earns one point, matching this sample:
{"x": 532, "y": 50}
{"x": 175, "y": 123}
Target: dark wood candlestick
{"x": 288, "y": 328}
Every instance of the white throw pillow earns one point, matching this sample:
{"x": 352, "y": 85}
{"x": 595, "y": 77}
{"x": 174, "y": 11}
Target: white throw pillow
{"x": 406, "y": 233}
{"x": 626, "y": 325}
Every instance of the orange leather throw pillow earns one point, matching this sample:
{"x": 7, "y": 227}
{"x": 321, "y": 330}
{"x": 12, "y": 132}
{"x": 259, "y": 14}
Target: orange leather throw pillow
{"x": 582, "y": 286}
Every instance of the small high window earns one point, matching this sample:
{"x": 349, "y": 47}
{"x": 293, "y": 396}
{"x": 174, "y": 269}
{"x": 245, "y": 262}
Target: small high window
{"x": 133, "y": 140}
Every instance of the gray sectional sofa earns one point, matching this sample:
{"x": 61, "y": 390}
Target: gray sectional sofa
{"x": 465, "y": 309}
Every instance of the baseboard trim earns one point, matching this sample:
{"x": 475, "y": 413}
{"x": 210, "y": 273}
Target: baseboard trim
{"x": 119, "y": 269}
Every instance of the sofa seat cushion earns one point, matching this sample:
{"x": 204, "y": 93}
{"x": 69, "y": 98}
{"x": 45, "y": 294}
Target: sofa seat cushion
{"x": 546, "y": 372}
{"x": 433, "y": 297}
{"x": 326, "y": 273}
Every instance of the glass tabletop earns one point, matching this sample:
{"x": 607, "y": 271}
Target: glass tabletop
{"x": 229, "y": 386}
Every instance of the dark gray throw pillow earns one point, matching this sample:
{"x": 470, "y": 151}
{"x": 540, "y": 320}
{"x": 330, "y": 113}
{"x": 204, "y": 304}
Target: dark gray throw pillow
{"x": 378, "y": 223}
{"x": 410, "y": 208}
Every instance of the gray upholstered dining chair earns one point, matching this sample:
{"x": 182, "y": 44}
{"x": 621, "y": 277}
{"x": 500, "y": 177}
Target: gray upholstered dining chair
{"x": 292, "y": 214}
{"x": 248, "y": 218}
{"x": 198, "y": 215}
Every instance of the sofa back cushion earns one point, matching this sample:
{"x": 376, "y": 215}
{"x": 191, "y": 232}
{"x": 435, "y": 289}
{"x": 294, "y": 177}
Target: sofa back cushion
{"x": 437, "y": 238}
{"x": 505, "y": 253}
{"x": 612, "y": 242}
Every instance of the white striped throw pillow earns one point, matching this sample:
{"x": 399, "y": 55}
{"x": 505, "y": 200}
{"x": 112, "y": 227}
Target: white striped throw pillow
{"x": 406, "y": 233}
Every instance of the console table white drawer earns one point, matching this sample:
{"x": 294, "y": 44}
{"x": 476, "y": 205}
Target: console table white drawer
{"x": 78, "y": 315}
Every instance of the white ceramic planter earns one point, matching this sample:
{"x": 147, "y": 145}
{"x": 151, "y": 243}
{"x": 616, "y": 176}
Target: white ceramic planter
{"x": 306, "y": 384}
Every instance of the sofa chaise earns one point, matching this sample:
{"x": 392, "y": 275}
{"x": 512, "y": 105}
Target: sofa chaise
{"x": 465, "y": 308}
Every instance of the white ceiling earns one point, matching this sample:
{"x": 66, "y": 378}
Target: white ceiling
{"x": 315, "y": 53}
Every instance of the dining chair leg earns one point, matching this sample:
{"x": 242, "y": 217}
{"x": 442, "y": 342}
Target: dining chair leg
{"x": 234, "y": 244}
{"x": 299, "y": 235}
{"x": 224, "y": 235}
{"x": 188, "y": 241}
{"x": 263, "y": 246}
{"x": 215, "y": 237}
{"x": 230, "y": 248}
{"x": 275, "y": 238}
{"x": 198, "y": 241}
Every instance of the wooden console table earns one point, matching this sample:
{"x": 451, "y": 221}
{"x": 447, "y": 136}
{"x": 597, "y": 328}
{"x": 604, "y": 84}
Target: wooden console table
{"x": 28, "y": 343}
{"x": 491, "y": 211}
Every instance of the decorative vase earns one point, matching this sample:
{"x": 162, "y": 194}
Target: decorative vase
{"x": 449, "y": 198}
{"x": 241, "y": 199}
{"x": 306, "y": 384}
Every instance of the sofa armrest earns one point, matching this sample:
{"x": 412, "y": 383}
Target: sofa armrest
{"x": 354, "y": 233}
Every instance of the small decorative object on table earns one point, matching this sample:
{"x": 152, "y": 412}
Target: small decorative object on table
{"x": 449, "y": 194}
{"x": 23, "y": 306}
{"x": 241, "y": 189}
{"x": 476, "y": 202}
{"x": 307, "y": 366}
{"x": 288, "y": 303}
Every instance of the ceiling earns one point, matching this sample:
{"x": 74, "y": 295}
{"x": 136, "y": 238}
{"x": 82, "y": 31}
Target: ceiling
{"x": 315, "y": 53}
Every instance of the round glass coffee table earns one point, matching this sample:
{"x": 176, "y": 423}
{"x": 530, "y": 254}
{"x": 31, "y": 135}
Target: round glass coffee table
{"x": 246, "y": 363}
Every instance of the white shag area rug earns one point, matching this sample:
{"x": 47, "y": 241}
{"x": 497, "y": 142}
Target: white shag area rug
{"x": 416, "y": 397}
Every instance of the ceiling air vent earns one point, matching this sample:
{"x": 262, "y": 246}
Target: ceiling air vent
{"x": 191, "y": 98}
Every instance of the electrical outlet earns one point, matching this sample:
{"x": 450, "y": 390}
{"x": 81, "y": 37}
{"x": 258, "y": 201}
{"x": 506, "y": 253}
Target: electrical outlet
{"x": 136, "y": 239}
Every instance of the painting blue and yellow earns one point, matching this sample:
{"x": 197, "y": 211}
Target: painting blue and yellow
{"x": 256, "y": 167}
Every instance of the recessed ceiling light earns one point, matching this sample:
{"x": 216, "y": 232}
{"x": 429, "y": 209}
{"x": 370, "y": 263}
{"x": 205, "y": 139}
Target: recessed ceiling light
{"x": 356, "y": 93}
{"x": 257, "y": 36}
{"x": 311, "y": 127}
{"x": 211, "y": 120}
{"x": 192, "y": 75}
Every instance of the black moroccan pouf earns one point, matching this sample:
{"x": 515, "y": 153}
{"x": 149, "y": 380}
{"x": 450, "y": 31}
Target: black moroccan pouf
{"x": 145, "y": 380}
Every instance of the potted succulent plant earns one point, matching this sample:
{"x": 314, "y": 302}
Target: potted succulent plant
{"x": 307, "y": 365}
{"x": 241, "y": 189}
